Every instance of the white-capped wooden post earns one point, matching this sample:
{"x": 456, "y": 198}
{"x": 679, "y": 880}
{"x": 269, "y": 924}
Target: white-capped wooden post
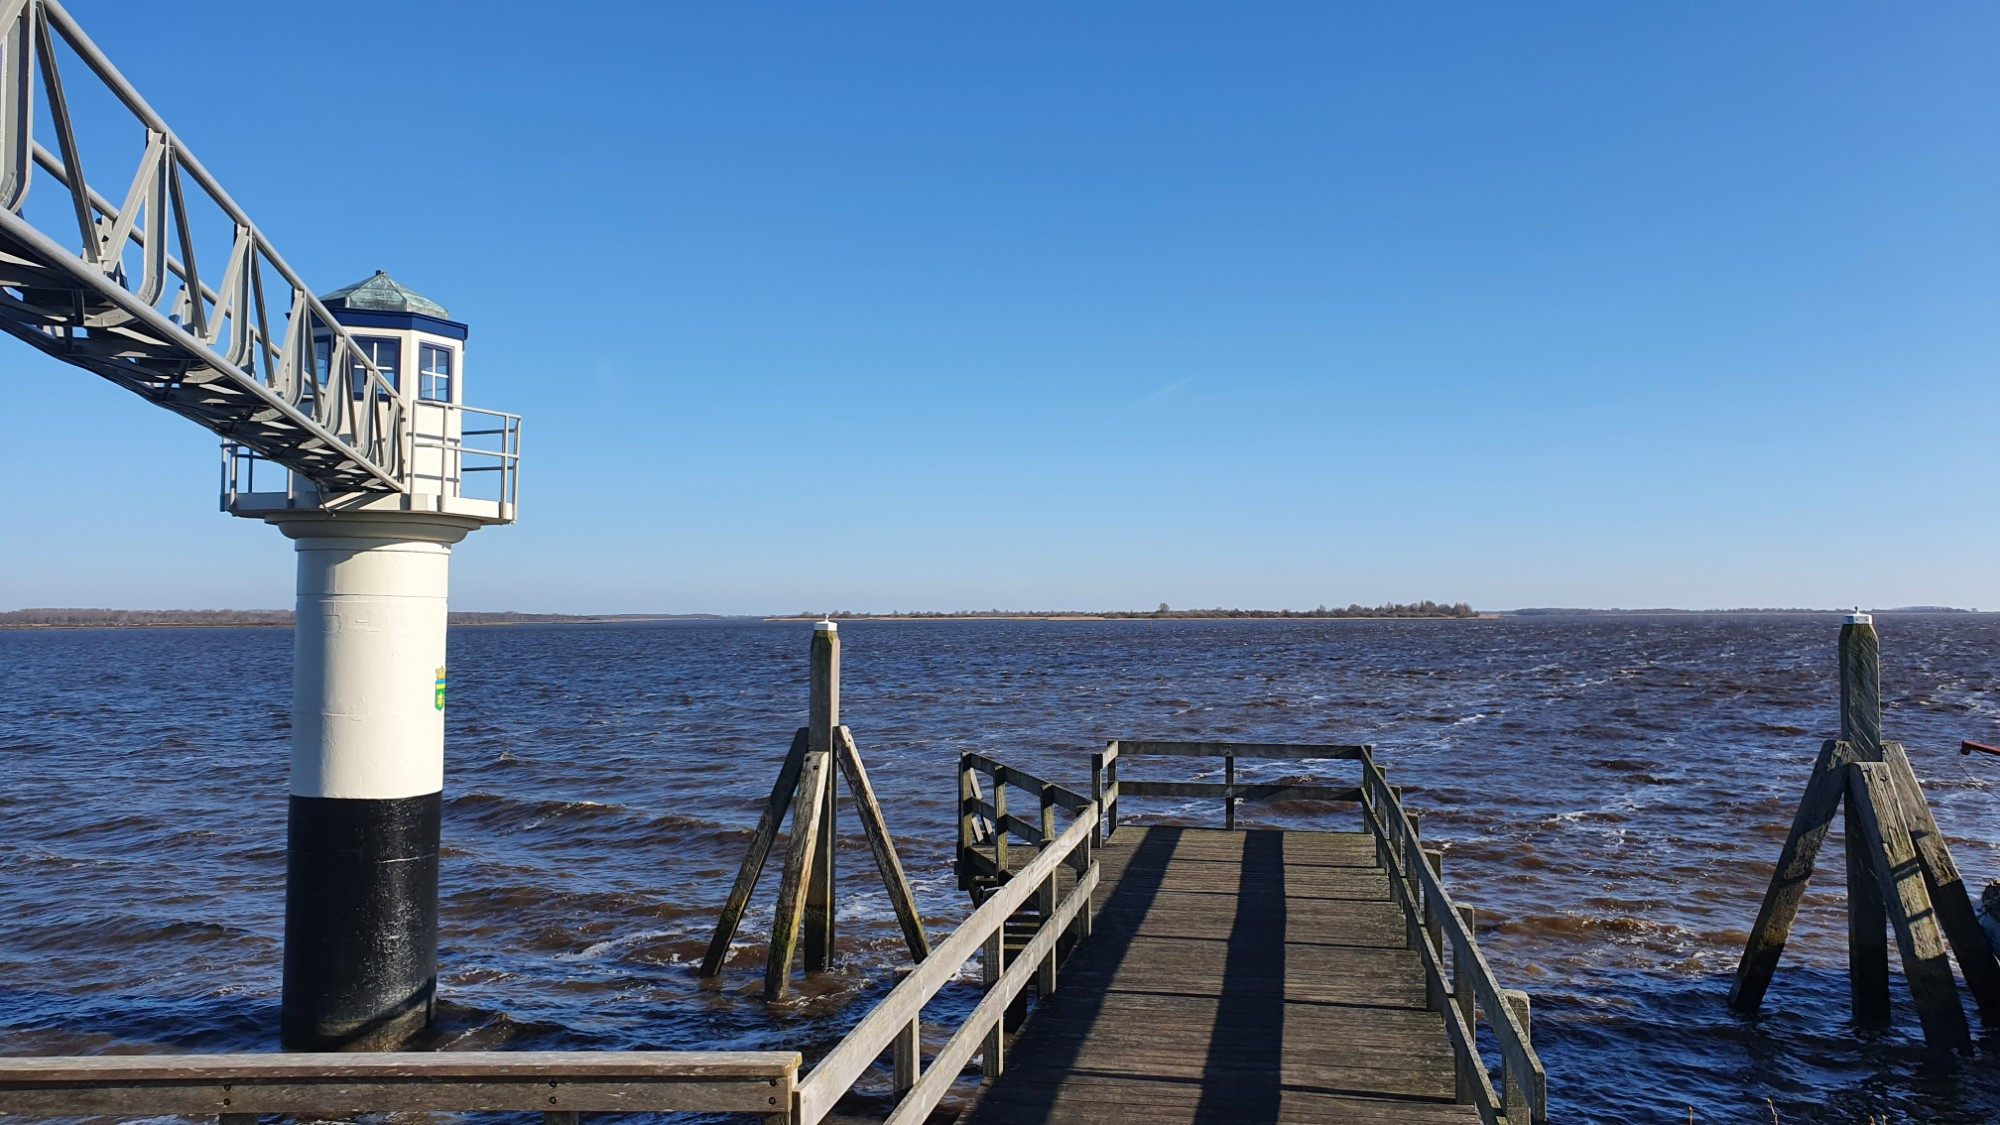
{"x": 1861, "y": 728}
{"x": 823, "y": 715}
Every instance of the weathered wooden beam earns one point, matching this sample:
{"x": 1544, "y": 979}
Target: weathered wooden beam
{"x": 800, "y": 852}
{"x": 1861, "y": 687}
{"x": 1861, "y": 727}
{"x": 1000, "y": 822}
{"x": 1872, "y": 795}
{"x": 886, "y": 861}
{"x": 760, "y": 849}
{"x": 1947, "y": 889}
{"x": 1024, "y": 781}
{"x": 907, "y": 1060}
{"x": 1515, "y": 1098}
{"x": 1277, "y": 750}
{"x": 993, "y": 1055}
{"x": 1824, "y": 787}
{"x": 823, "y": 715}
{"x": 1867, "y": 928}
{"x": 1229, "y": 792}
{"x": 1465, "y": 1064}
{"x": 329, "y": 1085}
{"x": 1275, "y": 791}
{"x": 1045, "y": 897}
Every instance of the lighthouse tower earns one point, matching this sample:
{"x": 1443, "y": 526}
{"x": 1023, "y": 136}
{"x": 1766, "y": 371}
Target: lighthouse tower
{"x": 369, "y": 670}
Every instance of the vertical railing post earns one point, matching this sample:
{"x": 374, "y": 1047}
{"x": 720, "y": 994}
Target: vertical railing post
{"x": 1466, "y": 995}
{"x": 1097, "y": 795}
{"x": 1229, "y": 792}
{"x": 999, "y": 776}
{"x": 1434, "y": 987}
{"x": 1513, "y": 1091}
{"x": 1045, "y": 973}
{"x": 994, "y": 1059}
{"x": 908, "y": 1058}
{"x": 966, "y": 833}
{"x": 1111, "y": 789}
{"x": 823, "y": 717}
{"x": 1089, "y": 907}
{"x": 1413, "y": 854}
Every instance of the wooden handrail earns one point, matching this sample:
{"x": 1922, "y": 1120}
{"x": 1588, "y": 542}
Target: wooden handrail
{"x": 1273, "y": 750}
{"x": 1023, "y": 780}
{"x": 887, "y": 1026}
{"x": 550, "y": 1082}
{"x": 1107, "y": 790}
{"x": 1428, "y": 907}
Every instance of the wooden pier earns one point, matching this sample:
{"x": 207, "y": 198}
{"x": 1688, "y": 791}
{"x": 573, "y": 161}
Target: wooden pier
{"x": 1257, "y": 975}
{"x": 1243, "y": 976}
{"x": 1152, "y": 974}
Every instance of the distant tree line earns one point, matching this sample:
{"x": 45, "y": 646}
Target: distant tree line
{"x": 1427, "y": 609}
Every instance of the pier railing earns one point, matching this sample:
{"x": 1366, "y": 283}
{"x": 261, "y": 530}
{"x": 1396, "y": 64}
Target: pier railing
{"x": 557, "y": 1084}
{"x": 1459, "y": 983}
{"x": 1106, "y": 787}
{"x": 893, "y": 1025}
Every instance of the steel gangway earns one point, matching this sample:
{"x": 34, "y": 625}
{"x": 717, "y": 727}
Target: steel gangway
{"x": 118, "y": 288}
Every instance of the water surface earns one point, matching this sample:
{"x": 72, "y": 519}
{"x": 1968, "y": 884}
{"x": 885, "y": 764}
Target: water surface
{"x": 1610, "y": 793}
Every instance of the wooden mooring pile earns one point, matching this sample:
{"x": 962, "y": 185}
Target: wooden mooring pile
{"x": 1900, "y": 874}
{"x": 1128, "y": 972}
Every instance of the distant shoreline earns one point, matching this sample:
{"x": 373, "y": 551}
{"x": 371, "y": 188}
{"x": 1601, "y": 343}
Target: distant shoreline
{"x": 1133, "y": 617}
{"x": 62, "y": 619}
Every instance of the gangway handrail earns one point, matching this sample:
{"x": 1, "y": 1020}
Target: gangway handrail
{"x": 310, "y": 420}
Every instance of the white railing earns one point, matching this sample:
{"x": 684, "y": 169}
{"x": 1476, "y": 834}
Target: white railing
{"x": 449, "y": 444}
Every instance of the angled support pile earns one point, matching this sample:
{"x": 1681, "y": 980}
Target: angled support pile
{"x": 1900, "y": 874}
{"x": 821, "y": 751}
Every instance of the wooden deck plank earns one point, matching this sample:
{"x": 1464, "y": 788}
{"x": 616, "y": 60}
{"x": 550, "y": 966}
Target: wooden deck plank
{"x": 1234, "y": 976}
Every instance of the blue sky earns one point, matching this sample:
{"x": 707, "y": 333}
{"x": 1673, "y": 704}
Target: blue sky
{"x": 1038, "y": 305}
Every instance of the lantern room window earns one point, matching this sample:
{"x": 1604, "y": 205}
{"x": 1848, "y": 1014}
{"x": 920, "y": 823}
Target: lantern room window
{"x": 434, "y": 373}
{"x": 387, "y": 354}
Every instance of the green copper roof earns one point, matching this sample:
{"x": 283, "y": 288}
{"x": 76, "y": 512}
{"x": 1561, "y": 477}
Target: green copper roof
{"x": 383, "y": 293}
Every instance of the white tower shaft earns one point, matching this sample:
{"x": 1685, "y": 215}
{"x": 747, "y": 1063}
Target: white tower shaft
{"x": 367, "y": 776}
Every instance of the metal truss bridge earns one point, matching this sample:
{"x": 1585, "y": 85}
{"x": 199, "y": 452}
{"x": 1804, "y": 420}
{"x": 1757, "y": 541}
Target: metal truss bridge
{"x": 119, "y": 288}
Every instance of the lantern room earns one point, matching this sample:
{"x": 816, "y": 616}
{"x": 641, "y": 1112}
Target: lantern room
{"x": 412, "y": 339}
{"x": 452, "y": 458}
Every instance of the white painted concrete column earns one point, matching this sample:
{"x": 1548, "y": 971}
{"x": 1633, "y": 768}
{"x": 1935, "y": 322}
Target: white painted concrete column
{"x": 367, "y": 775}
